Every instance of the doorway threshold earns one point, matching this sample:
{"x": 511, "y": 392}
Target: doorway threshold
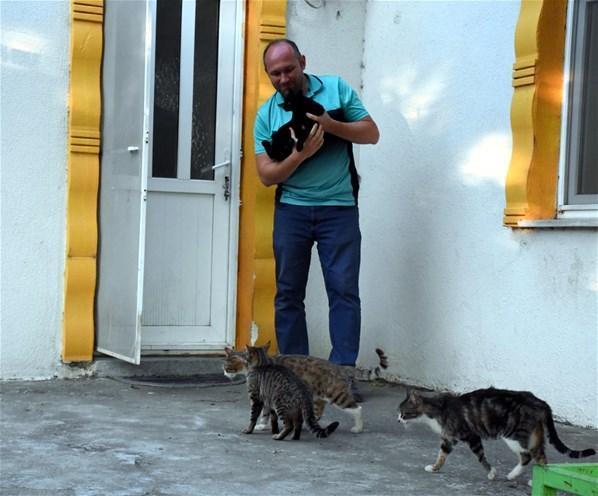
{"x": 159, "y": 366}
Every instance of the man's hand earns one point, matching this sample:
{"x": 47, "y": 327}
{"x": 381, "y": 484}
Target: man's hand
{"x": 323, "y": 120}
{"x": 272, "y": 172}
{"x": 313, "y": 143}
{"x": 362, "y": 132}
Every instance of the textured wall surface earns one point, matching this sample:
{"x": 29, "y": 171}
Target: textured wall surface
{"x": 34, "y": 85}
{"x": 459, "y": 301}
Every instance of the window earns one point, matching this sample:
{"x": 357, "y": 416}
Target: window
{"x": 578, "y": 181}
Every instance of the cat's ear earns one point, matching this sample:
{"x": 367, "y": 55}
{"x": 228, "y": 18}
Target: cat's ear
{"x": 267, "y": 346}
{"x": 228, "y": 350}
{"x": 413, "y": 395}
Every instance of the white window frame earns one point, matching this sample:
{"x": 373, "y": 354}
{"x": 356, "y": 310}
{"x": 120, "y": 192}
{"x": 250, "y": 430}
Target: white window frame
{"x": 578, "y": 212}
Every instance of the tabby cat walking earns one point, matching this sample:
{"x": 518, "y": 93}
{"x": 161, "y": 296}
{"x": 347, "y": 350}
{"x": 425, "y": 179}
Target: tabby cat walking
{"x": 277, "y": 389}
{"x": 518, "y": 417}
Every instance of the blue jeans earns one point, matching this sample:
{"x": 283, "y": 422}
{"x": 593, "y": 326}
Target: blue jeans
{"x": 336, "y": 232}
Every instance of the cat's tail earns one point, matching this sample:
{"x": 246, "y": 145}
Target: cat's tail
{"x": 382, "y": 364}
{"x": 556, "y": 441}
{"x": 312, "y": 423}
{"x": 321, "y": 431}
{"x": 383, "y": 361}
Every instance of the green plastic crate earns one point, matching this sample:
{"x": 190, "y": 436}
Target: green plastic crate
{"x": 571, "y": 478}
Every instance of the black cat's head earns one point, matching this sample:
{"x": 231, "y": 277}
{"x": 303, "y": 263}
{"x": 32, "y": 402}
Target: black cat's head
{"x": 300, "y": 104}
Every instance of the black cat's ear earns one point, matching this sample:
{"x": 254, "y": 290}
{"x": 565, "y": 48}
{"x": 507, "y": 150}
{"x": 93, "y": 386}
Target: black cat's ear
{"x": 268, "y": 146}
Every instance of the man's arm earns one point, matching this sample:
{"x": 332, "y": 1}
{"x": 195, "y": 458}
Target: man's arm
{"x": 272, "y": 172}
{"x": 362, "y": 132}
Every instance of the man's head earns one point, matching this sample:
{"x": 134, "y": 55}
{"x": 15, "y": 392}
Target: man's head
{"x": 284, "y": 65}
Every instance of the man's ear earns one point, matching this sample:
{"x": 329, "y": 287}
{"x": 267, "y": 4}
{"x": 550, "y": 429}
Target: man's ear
{"x": 302, "y": 62}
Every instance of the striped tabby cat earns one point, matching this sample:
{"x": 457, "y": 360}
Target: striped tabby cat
{"x": 329, "y": 383}
{"x": 277, "y": 389}
{"x": 517, "y": 417}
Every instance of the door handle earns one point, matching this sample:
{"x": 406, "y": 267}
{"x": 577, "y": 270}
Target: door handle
{"x": 221, "y": 164}
{"x": 133, "y": 149}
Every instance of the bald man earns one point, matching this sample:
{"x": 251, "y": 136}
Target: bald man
{"x": 316, "y": 201}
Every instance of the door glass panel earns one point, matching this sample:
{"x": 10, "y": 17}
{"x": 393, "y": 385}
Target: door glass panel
{"x": 588, "y": 161}
{"x": 166, "y": 88}
{"x": 205, "y": 80}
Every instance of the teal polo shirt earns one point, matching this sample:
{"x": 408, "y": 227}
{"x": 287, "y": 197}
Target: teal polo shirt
{"x": 324, "y": 178}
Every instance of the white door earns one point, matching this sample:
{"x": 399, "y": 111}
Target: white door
{"x": 124, "y": 164}
{"x": 186, "y": 293}
{"x": 193, "y": 153}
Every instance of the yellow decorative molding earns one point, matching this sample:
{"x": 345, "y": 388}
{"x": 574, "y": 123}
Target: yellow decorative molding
{"x": 536, "y": 111}
{"x": 83, "y": 180}
{"x": 265, "y": 21}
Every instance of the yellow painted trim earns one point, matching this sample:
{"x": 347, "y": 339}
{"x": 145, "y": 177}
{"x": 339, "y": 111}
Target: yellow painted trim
{"x": 266, "y": 20}
{"x": 536, "y": 111}
{"x": 83, "y": 179}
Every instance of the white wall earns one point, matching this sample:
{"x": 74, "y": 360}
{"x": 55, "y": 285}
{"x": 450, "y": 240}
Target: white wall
{"x": 330, "y": 37}
{"x": 34, "y": 85}
{"x": 459, "y": 301}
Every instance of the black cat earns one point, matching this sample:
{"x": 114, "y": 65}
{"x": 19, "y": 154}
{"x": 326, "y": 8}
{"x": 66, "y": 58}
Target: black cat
{"x": 282, "y": 144}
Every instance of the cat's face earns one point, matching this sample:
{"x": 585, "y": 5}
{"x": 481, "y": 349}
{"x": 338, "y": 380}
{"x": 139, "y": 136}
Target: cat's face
{"x": 301, "y": 104}
{"x": 411, "y": 408}
{"x": 235, "y": 363}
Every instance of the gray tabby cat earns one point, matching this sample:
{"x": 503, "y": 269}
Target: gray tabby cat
{"x": 518, "y": 417}
{"x": 277, "y": 389}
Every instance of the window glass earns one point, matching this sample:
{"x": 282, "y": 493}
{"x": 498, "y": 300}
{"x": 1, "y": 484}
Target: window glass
{"x": 166, "y": 88}
{"x": 587, "y": 176}
{"x": 205, "y": 80}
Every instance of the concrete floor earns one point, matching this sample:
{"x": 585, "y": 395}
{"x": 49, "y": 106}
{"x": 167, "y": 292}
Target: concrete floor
{"x": 100, "y": 436}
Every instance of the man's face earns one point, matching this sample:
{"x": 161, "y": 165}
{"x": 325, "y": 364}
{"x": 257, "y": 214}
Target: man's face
{"x": 285, "y": 69}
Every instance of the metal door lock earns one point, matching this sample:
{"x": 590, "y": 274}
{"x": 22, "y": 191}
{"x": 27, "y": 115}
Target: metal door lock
{"x": 226, "y": 188}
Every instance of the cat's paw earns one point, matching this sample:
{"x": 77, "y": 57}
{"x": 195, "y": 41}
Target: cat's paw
{"x": 356, "y": 429}
{"x": 247, "y": 431}
{"x": 262, "y": 427}
{"x": 492, "y": 474}
{"x": 430, "y": 468}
